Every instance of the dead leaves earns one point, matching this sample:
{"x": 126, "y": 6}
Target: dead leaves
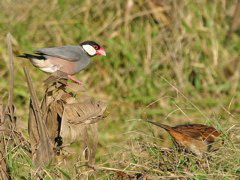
{"x": 77, "y": 115}
{"x": 10, "y": 136}
{"x": 42, "y": 147}
{"x": 88, "y": 112}
{"x": 67, "y": 119}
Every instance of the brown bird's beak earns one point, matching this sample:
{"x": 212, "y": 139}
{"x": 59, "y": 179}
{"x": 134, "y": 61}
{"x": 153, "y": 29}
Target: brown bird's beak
{"x": 101, "y": 52}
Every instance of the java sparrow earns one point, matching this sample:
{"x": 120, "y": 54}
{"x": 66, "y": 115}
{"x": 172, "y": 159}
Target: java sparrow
{"x": 68, "y": 59}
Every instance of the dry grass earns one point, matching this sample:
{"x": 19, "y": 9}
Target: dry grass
{"x": 168, "y": 62}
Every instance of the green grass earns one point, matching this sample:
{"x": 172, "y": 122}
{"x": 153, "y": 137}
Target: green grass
{"x": 177, "y": 72}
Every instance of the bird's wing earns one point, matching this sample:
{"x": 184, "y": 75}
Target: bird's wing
{"x": 191, "y": 130}
{"x": 70, "y": 53}
{"x": 198, "y": 131}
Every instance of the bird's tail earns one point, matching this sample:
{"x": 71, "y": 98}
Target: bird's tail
{"x": 166, "y": 127}
{"x": 31, "y": 56}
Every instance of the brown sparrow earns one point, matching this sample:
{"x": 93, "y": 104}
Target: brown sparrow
{"x": 196, "y": 138}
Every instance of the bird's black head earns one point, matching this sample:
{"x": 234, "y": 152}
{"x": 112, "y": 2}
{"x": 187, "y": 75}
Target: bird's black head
{"x": 92, "y": 48}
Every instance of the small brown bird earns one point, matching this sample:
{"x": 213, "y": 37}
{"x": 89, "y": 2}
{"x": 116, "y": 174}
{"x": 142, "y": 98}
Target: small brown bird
{"x": 196, "y": 138}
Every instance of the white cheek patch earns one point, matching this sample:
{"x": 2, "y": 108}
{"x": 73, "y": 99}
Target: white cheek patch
{"x": 89, "y": 49}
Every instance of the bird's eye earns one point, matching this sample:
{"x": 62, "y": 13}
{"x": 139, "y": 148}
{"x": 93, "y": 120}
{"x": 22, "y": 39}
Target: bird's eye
{"x": 96, "y": 47}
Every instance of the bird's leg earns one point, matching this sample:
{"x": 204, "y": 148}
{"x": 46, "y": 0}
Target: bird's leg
{"x": 75, "y": 80}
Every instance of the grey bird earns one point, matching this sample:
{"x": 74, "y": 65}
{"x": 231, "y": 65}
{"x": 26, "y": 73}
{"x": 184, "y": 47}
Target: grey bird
{"x": 68, "y": 59}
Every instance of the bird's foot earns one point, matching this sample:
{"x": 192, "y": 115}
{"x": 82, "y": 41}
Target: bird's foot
{"x": 75, "y": 80}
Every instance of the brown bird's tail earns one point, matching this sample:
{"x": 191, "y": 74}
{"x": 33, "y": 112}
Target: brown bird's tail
{"x": 166, "y": 127}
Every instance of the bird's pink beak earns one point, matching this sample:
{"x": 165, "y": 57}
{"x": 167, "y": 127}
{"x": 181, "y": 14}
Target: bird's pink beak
{"x": 101, "y": 52}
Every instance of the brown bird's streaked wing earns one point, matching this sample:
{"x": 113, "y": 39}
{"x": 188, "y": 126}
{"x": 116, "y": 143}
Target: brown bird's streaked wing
{"x": 198, "y": 131}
